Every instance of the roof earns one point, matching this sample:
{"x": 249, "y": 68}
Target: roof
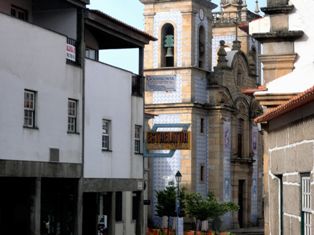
{"x": 251, "y": 91}
{"x": 112, "y": 33}
{"x": 294, "y": 103}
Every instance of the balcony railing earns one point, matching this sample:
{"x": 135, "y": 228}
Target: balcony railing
{"x": 225, "y": 17}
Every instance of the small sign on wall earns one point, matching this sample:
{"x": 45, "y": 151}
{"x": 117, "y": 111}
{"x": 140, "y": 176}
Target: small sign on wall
{"x": 161, "y": 83}
{"x": 71, "y": 52}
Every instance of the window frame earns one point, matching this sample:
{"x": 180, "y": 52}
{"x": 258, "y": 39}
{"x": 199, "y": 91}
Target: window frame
{"x": 167, "y": 61}
{"x": 202, "y": 126}
{"x": 17, "y": 11}
{"x": 201, "y": 46}
{"x": 306, "y": 198}
{"x": 202, "y": 173}
{"x": 137, "y": 139}
{"x": 88, "y": 54}
{"x": 30, "y": 110}
{"x": 73, "y": 117}
{"x": 106, "y": 134}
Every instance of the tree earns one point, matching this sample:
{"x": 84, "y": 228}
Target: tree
{"x": 207, "y": 208}
{"x": 166, "y": 202}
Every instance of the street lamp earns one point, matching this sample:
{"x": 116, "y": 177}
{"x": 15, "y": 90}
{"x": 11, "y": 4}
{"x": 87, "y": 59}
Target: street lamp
{"x": 178, "y": 179}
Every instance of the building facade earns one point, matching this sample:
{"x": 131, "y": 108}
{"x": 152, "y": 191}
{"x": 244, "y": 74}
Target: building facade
{"x": 181, "y": 88}
{"x": 71, "y": 158}
{"x": 286, "y": 37}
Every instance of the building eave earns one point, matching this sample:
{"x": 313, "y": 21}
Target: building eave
{"x": 294, "y": 103}
{"x": 121, "y": 35}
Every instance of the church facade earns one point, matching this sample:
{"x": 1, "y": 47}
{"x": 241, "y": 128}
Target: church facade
{"x": 182, "y": 88}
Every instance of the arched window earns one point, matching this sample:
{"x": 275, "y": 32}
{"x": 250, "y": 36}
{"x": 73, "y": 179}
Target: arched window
{"x": 201, "y": 47}
{"x": 167, "y": 46}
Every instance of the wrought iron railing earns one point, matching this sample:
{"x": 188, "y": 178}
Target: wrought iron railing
{"x": 225, "y": 17}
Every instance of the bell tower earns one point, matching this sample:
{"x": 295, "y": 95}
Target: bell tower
{"x": 176, "y": 67}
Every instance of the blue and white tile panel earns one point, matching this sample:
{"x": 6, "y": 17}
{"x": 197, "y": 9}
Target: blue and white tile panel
{"x": 164, "y": 97}
{"x": 227, "y": 218}
{"x": 254, "y": 192}
{"x": 201, "y": 155}
{"x": 200, "y": 89}
{"x": 164, "y": 169}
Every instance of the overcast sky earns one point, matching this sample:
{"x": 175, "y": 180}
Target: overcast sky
{"x": 131, "y": 12}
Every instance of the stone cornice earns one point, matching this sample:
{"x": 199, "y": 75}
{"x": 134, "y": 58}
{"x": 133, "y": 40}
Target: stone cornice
{"x": 277, "y": 9}
{"x": 278, "y": 36}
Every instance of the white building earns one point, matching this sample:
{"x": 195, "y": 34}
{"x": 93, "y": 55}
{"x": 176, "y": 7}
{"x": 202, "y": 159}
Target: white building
{"x": 68, "y": 125}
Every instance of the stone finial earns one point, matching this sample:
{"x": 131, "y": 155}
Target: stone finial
{"x": 222, "y": 61}
{"x": 256, "y": 7}
{"x": 236, "y": 46}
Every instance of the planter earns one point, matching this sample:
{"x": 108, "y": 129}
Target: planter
{"x": 155, "y": 232}
{"x": 167, "y": 231}
{"x": 192, "y": 232}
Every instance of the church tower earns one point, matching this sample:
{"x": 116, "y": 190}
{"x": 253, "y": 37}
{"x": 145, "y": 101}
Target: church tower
{"x": 176, "y": 67}
{"x": 182, "y": 91}
{"x": 231, "y": 23}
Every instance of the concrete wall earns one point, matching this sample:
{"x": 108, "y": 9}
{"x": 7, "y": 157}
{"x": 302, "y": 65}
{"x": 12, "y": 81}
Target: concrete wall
{"x": 108, "y": 96}
{"x": 35, "y": 59}
{"x": 63, "y": 21}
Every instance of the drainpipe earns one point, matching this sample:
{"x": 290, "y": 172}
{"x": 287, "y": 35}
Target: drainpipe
{"x": 141, "y": 227}
{"x": 81, "y": 58}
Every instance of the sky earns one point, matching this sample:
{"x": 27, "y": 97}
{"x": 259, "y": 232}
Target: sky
{"x": 131, "y": 12}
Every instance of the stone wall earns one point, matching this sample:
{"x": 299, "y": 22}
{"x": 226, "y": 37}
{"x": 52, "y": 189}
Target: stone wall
{"x": 290, "y": 150}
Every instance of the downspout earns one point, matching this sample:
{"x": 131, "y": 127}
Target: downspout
{"x": 81, "y": 61}
{"x": 141, "y": 227}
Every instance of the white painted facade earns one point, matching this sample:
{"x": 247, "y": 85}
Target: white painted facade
{"x": 108, "y": 96}
{"x": 299, "y": 19}
{"x": 35, "y": 59}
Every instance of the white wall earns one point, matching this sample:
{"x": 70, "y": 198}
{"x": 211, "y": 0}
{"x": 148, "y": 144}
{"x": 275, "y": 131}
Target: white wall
{"x": 34, "y": 58}
{"x": 137, "y": 119}
{"x": 108, "y": 96}
{"x": 302, "y": 19}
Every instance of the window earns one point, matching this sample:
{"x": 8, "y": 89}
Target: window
{"x": 137, "y": 139}
{"x": 118, "y": 206}
{"x": 240, "y": 137}
{"x": 91, "y": 54}
{"x": 19, "y": 13}
{"x": 202, "y": 125}
{"x": 106, "y": 129}
{"x": 29, "y": 108}
{"x": 201, "y": 47}
{"x": 306, "y": 205}
{"x": 72, "y": 116}
{"x": 202, "y": 173}
{"x": 167, "y": 50}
